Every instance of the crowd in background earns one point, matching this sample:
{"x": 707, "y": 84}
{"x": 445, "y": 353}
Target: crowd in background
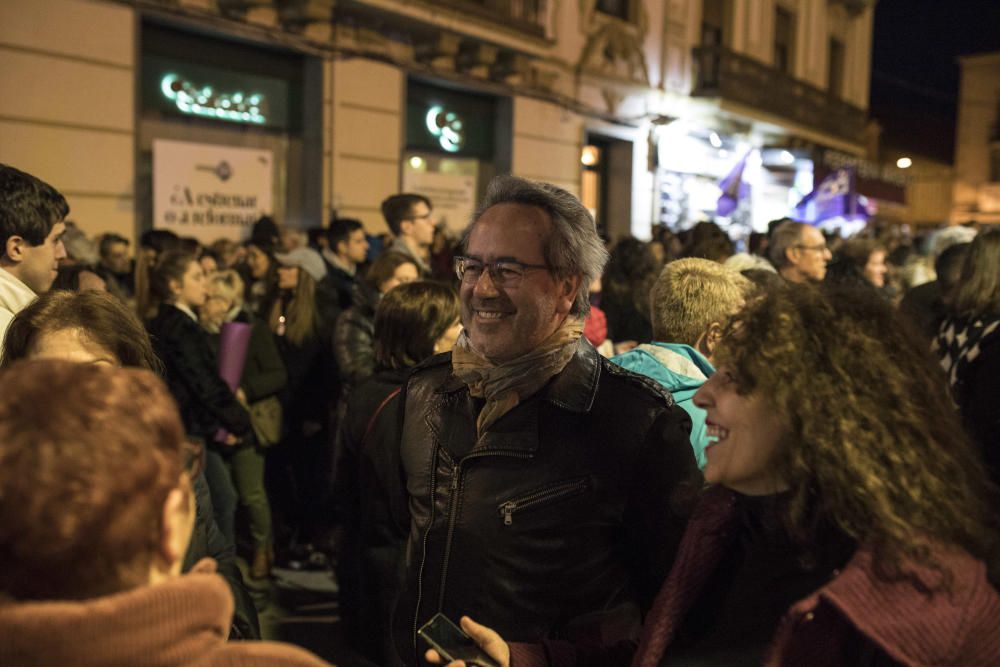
{"x": 292, "y": 451}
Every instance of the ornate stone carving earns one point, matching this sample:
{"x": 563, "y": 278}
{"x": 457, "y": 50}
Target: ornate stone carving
{"x": 613, "y": 46}
{"x": 440, "y": 52}
{"x": 612, "y": 98}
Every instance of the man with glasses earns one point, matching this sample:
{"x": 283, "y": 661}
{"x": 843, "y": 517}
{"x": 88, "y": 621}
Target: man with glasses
{"x": 539, "y": 475}
{"x": 799, "y": 252}
{"x": 409, "y": 219}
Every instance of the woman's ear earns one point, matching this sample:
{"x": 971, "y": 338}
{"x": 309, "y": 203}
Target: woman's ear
{"x": 176, "y": 526}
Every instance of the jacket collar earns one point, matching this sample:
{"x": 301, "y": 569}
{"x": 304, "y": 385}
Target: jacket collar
{"x": 14, "y": 294}
{"x": 574, "y": 389}
{"x": 898, "y": 615}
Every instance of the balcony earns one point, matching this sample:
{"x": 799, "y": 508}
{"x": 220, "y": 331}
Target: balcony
{"x": 524, "y": 15}
{"x": 528, "y": 17}
{"x": 730, "y": 76}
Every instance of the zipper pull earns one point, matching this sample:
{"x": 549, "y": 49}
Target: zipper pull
{"x": 454, "y": 478}
{"x": 508, "y": 511}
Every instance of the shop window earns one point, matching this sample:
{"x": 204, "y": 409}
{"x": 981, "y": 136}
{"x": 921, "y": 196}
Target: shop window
{"x": 784, "y": 40}
{"x": 835, "y": 75}
{"x": 620, "y": 9}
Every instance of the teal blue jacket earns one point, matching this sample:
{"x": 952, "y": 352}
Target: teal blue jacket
{"x": 681, "y": 369}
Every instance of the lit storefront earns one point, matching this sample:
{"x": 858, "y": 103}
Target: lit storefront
{"x": 221, "y": 135}
{"x": 456, "y": 142}
{"x": 695, "y": 164}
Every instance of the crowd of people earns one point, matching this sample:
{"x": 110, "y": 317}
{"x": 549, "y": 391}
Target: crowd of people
{"x": 682, "y": 451}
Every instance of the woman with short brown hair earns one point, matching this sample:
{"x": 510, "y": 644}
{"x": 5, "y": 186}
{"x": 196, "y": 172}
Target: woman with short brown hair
{"x": 96, "y": 512}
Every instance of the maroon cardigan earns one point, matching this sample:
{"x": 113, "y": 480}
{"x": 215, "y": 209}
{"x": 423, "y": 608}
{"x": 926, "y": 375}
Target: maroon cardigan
{"x": 911, "y": 627}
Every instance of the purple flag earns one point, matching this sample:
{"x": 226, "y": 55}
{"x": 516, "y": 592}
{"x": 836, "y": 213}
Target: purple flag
{"x": 234, "y": 340}
{"x": 834, "y": 197}
{"x": 733, "y": 188}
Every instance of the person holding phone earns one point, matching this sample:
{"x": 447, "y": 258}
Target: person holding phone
{"x": 539, "y": 477}
{"x": 848, "y": 522}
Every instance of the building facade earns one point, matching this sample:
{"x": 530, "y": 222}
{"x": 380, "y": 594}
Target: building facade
{"x": 977, "y": 142}
{"x": 638, "y": 106}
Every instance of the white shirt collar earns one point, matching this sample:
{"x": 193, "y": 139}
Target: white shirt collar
{"x": 186, "y": 309}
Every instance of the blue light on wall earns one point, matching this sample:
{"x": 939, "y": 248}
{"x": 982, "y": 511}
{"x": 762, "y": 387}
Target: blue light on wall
{"x": 234, "y": 107}
{"x": 447, "y": 127}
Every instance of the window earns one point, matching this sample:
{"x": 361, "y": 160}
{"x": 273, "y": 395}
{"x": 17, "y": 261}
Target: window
{"x": 784, "y": 40}
{"x": 712, "y": 21}
{"x": 617, "y": 8}
{"x": 835, "y": 73}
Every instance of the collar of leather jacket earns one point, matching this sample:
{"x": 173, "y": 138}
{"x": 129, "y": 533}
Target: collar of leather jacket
{"x": 574, "y": 389}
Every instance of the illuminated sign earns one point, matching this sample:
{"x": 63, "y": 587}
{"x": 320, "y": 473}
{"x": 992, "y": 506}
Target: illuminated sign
{"x": 235, "y": 107}
{"x": 447, "y": 127}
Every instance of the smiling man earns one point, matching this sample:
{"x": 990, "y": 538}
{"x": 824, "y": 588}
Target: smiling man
{"x": 31, "y": 228}
{"x": 540, "y": 476}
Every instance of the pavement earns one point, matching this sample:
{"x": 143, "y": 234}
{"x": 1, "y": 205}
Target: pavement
{"x": 301, "y": 607}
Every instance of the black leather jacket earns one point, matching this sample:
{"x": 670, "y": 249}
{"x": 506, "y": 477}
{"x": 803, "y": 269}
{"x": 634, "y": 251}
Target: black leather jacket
{"x": 353, "y": 338}
{"x": 558, "y": 522}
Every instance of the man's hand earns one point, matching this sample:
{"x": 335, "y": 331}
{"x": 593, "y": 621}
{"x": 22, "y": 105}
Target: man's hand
{"x": 488, "y": 640}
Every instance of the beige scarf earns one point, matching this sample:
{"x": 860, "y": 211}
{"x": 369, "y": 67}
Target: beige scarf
{"x": 504, "y": 386}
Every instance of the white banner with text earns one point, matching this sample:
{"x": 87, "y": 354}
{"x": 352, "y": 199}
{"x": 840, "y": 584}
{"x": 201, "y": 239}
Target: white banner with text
{"x": 209, "y": 191}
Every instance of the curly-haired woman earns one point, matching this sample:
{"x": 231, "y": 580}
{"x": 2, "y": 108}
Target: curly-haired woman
{"x": 848, "y": 520}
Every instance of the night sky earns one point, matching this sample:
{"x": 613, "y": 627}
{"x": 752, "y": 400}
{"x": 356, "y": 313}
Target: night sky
{"x": 915, "y": 73}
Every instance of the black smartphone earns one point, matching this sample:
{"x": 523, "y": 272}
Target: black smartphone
{"x": 452, "y": 643}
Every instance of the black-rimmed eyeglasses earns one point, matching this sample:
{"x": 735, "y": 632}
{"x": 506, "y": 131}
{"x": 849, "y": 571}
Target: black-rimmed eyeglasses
{"x": 503, "y": 274}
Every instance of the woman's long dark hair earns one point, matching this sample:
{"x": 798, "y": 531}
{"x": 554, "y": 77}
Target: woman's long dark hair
{"x": 978, "y": 291}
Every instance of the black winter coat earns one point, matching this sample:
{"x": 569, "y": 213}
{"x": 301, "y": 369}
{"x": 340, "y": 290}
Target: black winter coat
{"x": 353, "y": 338}
{"x": 191, "y": 371}
{"x": 340, "y": 283}
{"x": 559, "y": 521}
{"x": 368, "y": 480}
{"x": 313, "y": 383}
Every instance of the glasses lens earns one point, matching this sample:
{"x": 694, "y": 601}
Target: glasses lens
{"x": 469, "y": 270}
{"x": 508, "y": 274}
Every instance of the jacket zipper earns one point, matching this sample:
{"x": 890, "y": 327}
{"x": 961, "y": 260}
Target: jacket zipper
{"x": 558, "y": 492}
{"x": 423, "y": 554}
{"x": 453, "y": 501}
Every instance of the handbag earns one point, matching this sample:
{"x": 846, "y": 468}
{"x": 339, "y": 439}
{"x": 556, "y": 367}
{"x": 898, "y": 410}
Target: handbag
{"x": 265, "y": 417}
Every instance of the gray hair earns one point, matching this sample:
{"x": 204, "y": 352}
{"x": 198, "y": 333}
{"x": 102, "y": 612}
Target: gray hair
{"x": 785, "y": 236}
{"x": 573, "y": 248}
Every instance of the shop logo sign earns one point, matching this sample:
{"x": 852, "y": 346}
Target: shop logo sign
{"x": 205, "y": 101}
{"x": 447, "y": 127}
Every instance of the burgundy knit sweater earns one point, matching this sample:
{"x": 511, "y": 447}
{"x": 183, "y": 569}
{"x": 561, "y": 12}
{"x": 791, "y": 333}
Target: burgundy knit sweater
{"x": 960, "y": 629}
{"x": 181, "y": 622}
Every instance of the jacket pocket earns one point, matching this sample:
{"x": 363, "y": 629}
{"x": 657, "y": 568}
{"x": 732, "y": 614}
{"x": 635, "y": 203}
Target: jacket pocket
{"x": 546, "y": 495}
